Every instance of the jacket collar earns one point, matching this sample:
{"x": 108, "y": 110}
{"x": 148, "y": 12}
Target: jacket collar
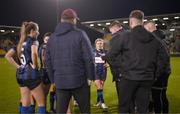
{"x": 64, "y": 27}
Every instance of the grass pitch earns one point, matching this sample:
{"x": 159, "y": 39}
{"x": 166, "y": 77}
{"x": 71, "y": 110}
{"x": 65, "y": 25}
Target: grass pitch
{"x": 9, "y": 91}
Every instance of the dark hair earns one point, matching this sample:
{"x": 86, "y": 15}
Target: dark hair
{"x": 25, "y": 30}
{"x": 47, "y": 34}
{"x": 138, "y": 14}
{"x": 117, "y": 23}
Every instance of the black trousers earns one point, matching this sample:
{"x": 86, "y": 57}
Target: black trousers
{"x": 160, "y": 101}
{"x": 132, "y": 104}
{"x": 131, "y": 91}
{"x": 81, "y": 94}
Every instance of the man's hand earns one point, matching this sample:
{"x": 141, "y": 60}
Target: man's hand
{"x": 89, "y": 82}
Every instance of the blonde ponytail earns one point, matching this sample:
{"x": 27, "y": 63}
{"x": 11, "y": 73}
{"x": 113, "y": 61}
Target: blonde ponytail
{"x": 22, "y": 38}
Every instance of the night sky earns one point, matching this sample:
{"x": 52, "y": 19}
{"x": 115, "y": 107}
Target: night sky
{"x": 44, "y": 12}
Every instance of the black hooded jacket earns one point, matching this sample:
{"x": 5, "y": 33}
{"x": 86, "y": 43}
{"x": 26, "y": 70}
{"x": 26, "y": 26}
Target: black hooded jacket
{"x": 162, "y": 77}
{"x": 135, "y": 54}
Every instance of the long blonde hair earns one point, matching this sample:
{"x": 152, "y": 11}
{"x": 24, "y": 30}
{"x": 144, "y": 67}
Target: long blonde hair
{"x": 25, "y": 30}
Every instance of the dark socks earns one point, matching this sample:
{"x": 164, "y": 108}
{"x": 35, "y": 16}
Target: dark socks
{"x": 100, "y": 96}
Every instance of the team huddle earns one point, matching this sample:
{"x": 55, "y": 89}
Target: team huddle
{"x": 138, "y": 59}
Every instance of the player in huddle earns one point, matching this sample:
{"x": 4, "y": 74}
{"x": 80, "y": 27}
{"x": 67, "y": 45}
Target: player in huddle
{"x": 101, "y": 72}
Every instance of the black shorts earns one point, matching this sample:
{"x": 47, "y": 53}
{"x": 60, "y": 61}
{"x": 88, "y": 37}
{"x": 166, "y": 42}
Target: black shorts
{"x": 101, "y": 73}
{"x": 28, "y": 77}
{"x": 29, "y": 83}
{"x": 45, "y": 78}
{"x": 100, "y": 77}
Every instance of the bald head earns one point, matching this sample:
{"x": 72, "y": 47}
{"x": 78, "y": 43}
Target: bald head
{"x": 150, "y": 26}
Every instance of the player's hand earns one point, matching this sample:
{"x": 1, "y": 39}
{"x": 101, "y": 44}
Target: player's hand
{"x": 53, "y": 87}
{"x": 18, "y": 66}
{"x": 106, "y": 65}
{"x": 20, "y": 70}
{"x": 33, "y": 66}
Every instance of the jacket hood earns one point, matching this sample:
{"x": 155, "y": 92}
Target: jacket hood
{"x": 160, "y": 34}
{"x": 142, "y": 34}
{"x": 118, "y": 32}
{"x": 62, "y": 28}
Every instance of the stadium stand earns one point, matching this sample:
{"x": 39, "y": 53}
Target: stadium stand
{"x": 168, "y": 23}
{"x": 9, "y": 36}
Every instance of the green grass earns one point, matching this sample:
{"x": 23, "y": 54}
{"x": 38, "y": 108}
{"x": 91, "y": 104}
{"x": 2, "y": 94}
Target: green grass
{"x": 9, "y": 91}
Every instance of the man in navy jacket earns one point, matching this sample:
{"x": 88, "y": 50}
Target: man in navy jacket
{"x": 70, "y": 63}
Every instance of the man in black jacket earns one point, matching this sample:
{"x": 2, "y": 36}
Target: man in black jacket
{"x": 135, "y": 55}
{"x": 116, "y": 29}
{"x": 159, "y": 88}
{"x": 70, "y": 63}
